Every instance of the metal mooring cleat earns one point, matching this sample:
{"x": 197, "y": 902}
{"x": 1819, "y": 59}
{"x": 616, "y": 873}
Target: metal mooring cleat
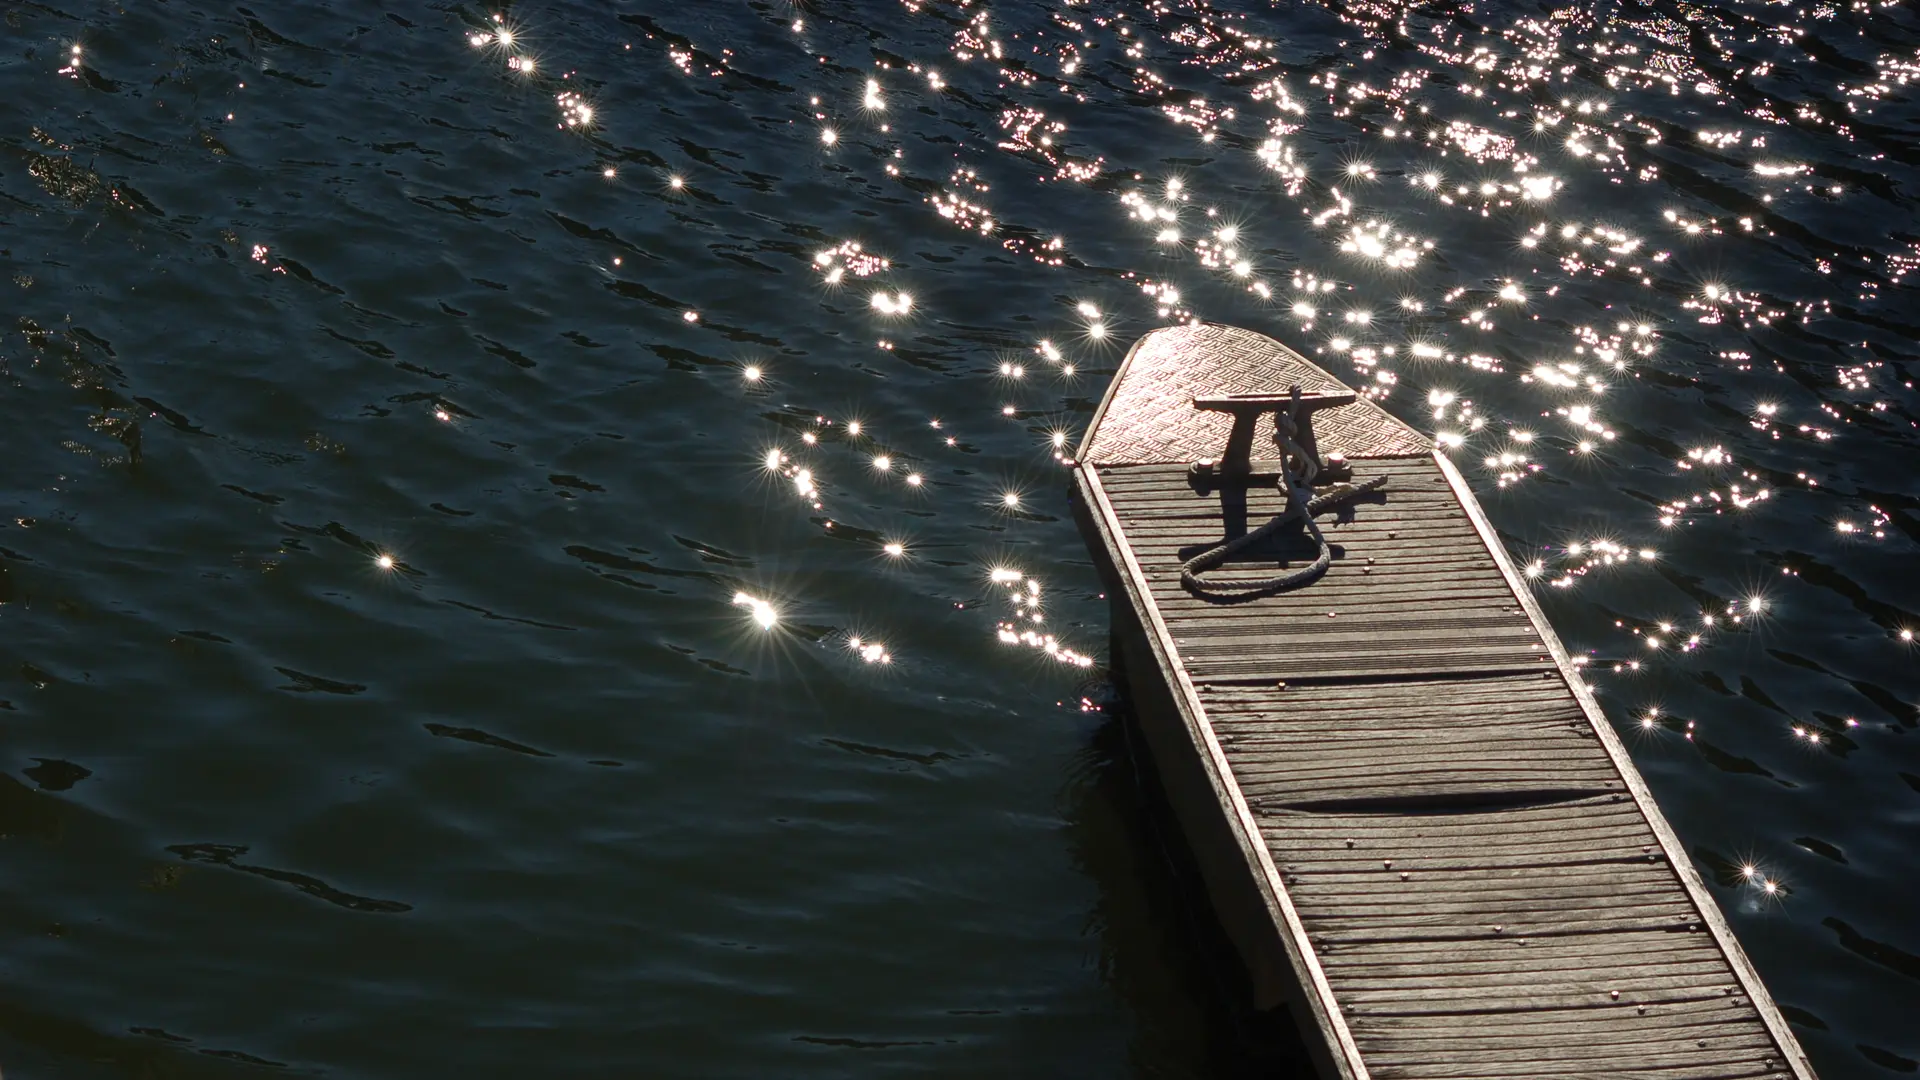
{"x": 1235, "y": 466}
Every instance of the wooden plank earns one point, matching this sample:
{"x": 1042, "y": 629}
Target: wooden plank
{"x": 1745, "y": 1047}
{"x": 1432, "y": 1036}
{"x": 1417, "y": 863}
{"x": 1434, "y": 894}
{"x": 1486, "y": 965}
{"x": 1595, "y": 840}
{"x": 1503, "y": 783}
{"x": 1349, "y": 655}
{"x": 1313, "y": 726}
{"x": 1379, "y": 832}
{"x": 1335, "y": 794}
{"x": 1616, "y": 878}
{"x": 1389, "y": 768}
{"x": 1415, "y": 906}
{"x": 1391, "y": 545}
{"x": 1439, "y": 983}
{"x": 1753, "y": 1066}
{"x": 1295, "y": 754}
{"x": 1118, "y": 478}
{"x": 1450, "y": 986}
{"x": 1265, "y": 706}
{"x": 1388, "y": 605}
{"x": 1361, "y": 666}
{"x": 1359, "y": 636}
{"x": 1538, "y": 925}
{"x": 1282, "y": 734}
{"x": 1595, "y": 954}
{"x": 1741, "y": 1051}
{"x": 1358, "y": 650}
{"x": 1555, "y": 780}
{"x": 1411, "y": 561}
{"x": 1353, "y": 616}
{"x": 1442, "y": 573}
{"x": 1270, "y": 706}
{"x": 1385, "y": 539}
{"x": 1600, "y": 1039}
{"x": 1665, "y": 1025}
{"x": 1419, "y": 897}
{"x": 1272, "y": 712}
{"x": 1531, "y": 855}
{"x": 1345, "y": 579}
{"x": 1379, "y": 529}
{"x": 1517, "y": 691}
{"x": 1347, "y": 576}
{"x": 1455, "y": 997}
{"x": 1600, "y": 839}
{"x": 1397, "y": 508}
{"x": 1386, "y": 608}
{"x": 1624, "y": 947}
{"x": 1616, "y": 1040}
{"x": 1256, "y": 742}
{"x": 1464, "y": 699}
{"x": 1464, "y": 859}
{"x": 1260, "y": 745}
{"x": 1603, "y": 838}
{"x": 1565, "y": 844}
{"x": 1681, "y": 1019}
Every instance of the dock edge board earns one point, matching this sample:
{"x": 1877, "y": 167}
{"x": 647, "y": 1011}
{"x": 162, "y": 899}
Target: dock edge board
{"x": 1336, "y": 1048}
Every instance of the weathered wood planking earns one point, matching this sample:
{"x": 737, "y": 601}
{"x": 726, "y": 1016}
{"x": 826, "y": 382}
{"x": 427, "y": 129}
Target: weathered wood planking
{"x": 1414, "y": 822}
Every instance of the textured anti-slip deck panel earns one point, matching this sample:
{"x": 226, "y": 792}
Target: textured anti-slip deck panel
{"x": 1149, "y": 414}
{"x": 1384, "y": 617}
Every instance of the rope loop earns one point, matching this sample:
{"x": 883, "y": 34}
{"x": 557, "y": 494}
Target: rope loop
{"x": 1299, "y": 506}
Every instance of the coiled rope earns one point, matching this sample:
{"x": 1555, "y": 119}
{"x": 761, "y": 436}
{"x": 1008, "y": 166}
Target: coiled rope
{"x": 1299, "y": 505}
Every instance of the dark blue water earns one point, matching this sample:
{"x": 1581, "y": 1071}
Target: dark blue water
{"x": 407, "y": 432}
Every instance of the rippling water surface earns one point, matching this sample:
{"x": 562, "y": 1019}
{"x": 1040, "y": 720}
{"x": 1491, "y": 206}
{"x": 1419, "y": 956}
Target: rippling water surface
{"x": 535, "y": 536}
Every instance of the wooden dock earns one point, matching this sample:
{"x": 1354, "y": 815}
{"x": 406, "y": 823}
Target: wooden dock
{"x": 1413, "y": 819}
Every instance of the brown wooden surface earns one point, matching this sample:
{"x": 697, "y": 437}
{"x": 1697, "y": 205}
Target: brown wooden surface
{"x": 1479, "y": 883}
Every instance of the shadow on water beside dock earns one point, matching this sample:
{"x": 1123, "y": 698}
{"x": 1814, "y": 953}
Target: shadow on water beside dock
{"x": 1161, "y": 946}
